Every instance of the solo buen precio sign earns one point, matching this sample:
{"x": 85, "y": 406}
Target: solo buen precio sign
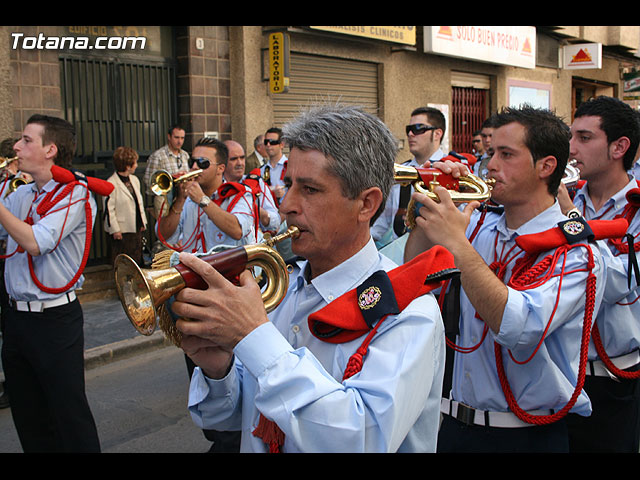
{"x": 278, "y": 62}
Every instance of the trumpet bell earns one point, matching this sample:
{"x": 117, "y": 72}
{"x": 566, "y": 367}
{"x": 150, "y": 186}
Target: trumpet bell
{"x": 162, "y": 182}
{"x": 142, "y": 291}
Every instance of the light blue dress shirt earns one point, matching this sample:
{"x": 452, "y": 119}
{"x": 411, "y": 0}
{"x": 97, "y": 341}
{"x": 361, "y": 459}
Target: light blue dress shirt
{"x": 548, "y": 379}
{"x": 619, "y": 315}
{"x": 275, "y": 173}
{"x": 60, "y": 236}
{"x": 295, "y": 379}
{"x": 194, "y": 225}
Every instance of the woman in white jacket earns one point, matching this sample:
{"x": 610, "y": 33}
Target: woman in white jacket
{"x": 125, "y": 218}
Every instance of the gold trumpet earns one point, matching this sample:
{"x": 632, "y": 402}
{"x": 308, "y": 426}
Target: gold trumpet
{"x": 571, "y": 174}
{"x": 162, "y": 182}
{"x": 462, "y": 190}
{"x": 143, "y": 292}
{"x": 5, "y": 161}
{"x": 15, "y": 182}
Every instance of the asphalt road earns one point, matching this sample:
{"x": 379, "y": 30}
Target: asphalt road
{"x": 139, "y": 404}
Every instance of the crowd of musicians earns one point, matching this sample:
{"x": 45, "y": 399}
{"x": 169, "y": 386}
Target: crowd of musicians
{"x": 415, "y": 320}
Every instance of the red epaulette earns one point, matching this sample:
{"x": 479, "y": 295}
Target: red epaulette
{"x": 384, "y": 293}
{"x": 233, "y": 190}
{"x": 572, "y": 231}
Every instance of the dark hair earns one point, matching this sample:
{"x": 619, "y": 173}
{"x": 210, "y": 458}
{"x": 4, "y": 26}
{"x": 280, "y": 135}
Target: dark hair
{"x": 545, "y": 134}
{"x": 6, "y": 147}
{"x": 222, "y": 152}
{"x": 275, "y": 130}
{"x": 59, "y": 132}
{"x": 435, "y": 117}
{"x": 123, "y": 158}
{"x": 488, "y": 123}
{"x": 617, "y": 119}
{"x": 174, "y": 127}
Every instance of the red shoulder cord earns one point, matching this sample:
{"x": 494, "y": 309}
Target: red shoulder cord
{"x": 628, "y": 213}
{"x": 524, "y": 276}
{"x": 69, "y": 180}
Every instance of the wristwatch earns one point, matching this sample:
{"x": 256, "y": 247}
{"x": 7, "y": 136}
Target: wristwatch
{"x": 204, "y": 201}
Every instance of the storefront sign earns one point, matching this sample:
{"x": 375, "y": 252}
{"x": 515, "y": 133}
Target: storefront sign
{"x": 631, "y": 86}
{"x": 278, "y": 62}
{"x": 582, "y": 55}
{"x": 504, "y": 45}
{"x": 404, "y": 35}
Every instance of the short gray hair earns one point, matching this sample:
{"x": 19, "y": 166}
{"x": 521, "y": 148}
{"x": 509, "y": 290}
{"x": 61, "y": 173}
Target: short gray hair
{"x": 360, "y": 147}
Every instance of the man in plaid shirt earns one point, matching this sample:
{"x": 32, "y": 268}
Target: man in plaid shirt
{"x": 171, "y": 158}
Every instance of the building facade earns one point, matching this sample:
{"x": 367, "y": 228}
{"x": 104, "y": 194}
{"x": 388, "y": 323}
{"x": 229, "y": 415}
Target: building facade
{"x": 237, "y": 81}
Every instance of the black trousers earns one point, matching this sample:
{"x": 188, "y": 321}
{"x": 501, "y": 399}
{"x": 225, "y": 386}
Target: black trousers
{"x": 43, "y": 360}
{"x": 614, "y": 425}
{"x": 457, "y": 437}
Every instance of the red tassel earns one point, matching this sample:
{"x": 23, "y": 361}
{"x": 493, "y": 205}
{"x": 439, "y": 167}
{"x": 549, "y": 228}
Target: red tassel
{"x": 270, "y": 434}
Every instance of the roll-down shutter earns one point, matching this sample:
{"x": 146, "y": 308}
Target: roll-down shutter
{"x": 317, "y": 79}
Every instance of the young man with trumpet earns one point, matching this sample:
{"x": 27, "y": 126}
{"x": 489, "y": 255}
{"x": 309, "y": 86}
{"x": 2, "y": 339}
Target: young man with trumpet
{"x": 43, "y": 347}
{"x": 518, "y": 353}
{"x": 604, "y": 139}
{"x": 204, "y": 215}
{"x": 347, "y": 362}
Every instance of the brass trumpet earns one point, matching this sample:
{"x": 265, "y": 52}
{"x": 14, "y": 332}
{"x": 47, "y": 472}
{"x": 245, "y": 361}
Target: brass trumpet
{"x": 162, "y": 182}
{"x": 571, "y": 174}
{"x": 143, "y": 292}
{"x": 15, "y": 182}
{"x": 4, "y": 162}
{"x": 424, "y": 180}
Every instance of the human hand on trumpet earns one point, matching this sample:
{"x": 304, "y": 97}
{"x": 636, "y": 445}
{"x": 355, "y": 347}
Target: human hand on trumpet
{"x": 436, "y": 213}
{"x": 218, "y": 317}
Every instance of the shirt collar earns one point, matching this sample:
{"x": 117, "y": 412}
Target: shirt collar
{"x": 541, "y": 222}
{"x": 618, "y": 201}
{"x": 344, "y": 277}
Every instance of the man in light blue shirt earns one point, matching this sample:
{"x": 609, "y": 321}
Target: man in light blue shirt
{"x": 43, "y": 346}
{"x": 276, "y": 371}
{"x": 425, "y": 132}
{"x": 201, "y": 218}
{"x": 518, "y": 351}
{"x": 604, "y": 140}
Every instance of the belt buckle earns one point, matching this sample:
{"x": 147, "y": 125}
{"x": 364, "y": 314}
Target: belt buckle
{"x": 465, "y": 414}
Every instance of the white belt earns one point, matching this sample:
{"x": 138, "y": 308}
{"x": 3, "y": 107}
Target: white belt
{"x": 596, "y": 368}
{"x": 472, "y": 416}
{"x": 39, "y": 306}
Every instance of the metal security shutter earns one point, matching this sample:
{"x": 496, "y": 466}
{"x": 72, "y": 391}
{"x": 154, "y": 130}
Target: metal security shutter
{"x": 317, "y": 79}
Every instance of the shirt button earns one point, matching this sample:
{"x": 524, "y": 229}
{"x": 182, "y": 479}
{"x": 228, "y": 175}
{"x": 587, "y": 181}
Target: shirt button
{"x": 330, "y": 297}
{"x": 295, "y": 329}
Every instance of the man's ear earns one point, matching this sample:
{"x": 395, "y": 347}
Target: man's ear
{"x": 51, "y": 151}
{"x": 619, "y": 147}
{"x": 546, "y": 166}
{"x": 371, "y": 199}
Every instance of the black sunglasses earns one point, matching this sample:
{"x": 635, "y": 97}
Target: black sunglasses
{"x": 418, "y": 128}
{"x": 203, "y": 163}
{"x": 268, "y": 141}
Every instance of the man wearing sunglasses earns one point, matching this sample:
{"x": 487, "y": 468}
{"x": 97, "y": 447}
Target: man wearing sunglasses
{"x": 276, "y": 165}
{"x": 424, "y": 136}
{"x": 204, "y": 215}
